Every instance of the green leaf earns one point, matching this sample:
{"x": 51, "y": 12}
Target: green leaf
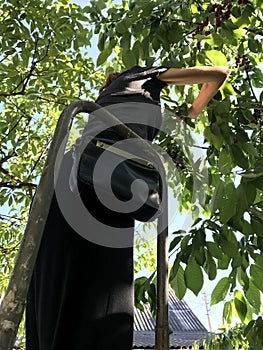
{"x": 111, "y": 44}
{"x": 150, "y": 61}
{"x": 256, "y": 274}
{"x": 193, "y": 276}
{"x": 238, "y": 156}
{"x": 123, "y": 26}
{"x": 184, "y": 242}
{"x": 258, "y": 260}
{"x": 136, "y": 50}
{"x": 101, "y": 41}
{"x": 128, "y": 58}
{"x": 179, "y": 232}
{"x": 242, "y": 277}
{"x": 242, "y": 201}
{"x": 103, "y": 57}
{"x": 145, "y": 48}
{"x": 224, "y": 262}
{"x": 240, "y": 305}
{"x": 228, "y": 247}
{"x": 156, "y": 44}
{"x": 214, "y": 249}
{"x": 258, "y": 182}
{"x": 227, "y": 312}
{"x": 254, "y": 45}
{"x": 215, "y": 129}
{"x": 200, "y": 256}
{"x": 250, "y": 192}
{"x": 217, "y": 197}
{"x": 259, "y": 166}
{"x": 125, "y": 42}
{"x": 253, "y": 333}
{"x": 220, "y": 291}
{"x": 100, "y": 4}
{"x": 174, "y": 243}
{"x": 257, "y": 225}
{"x": 214, "y": 39}
{"x": 217, "y": 58}
{"x": 253, "y": 296}
{"x": 147, "y": 9}
{"x": 211, "y": 267}
{"x": 225, "y": 162}
{"x": 260, "y": 243}
{"x": 198, "y": 239}
{"x": 258, "y": 213}
{"x": 174, "y": 268}
{"x": 178, "y": 283}
{"x": 216, "y": 140}
{"x": 227, "y": 203}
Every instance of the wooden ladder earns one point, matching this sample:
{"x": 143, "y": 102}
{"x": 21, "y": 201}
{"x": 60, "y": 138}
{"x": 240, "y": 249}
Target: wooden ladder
{"x": 10, "y": 317}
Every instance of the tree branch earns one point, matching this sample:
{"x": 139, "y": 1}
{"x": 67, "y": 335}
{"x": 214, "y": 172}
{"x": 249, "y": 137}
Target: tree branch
{"x": 250, "y": 85}
{"x": 202, "y": 147}
{"x": 12, "y": 128}
{"x": 9, "y": 217}
{"x": 17, "y": 185}
{"x": 38, "y": 160}
{"x": 26, "y": 79}
{"x": 5, "y": 57}
{"x": 256, "y": 32}
{"x": 5, "y": 158}
{"x": 7, "y": 173}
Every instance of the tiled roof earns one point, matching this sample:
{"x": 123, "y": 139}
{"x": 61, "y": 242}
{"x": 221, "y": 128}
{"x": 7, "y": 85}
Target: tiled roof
{"x": 145, "y": 339}
{"x": 183, "y": 323}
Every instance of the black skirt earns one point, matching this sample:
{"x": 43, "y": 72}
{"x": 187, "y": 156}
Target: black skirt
{"x": 81, "y": 293}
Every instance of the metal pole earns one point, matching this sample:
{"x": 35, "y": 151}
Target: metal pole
{"x": 13, "y": 304}
{"x": 162, "y": 324}
{"x": 208, "y": 312}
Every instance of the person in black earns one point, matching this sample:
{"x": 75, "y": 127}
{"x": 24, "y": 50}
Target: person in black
{"x": 81, "y": 293}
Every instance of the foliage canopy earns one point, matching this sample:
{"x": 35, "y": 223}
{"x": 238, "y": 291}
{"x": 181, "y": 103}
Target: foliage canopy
{"x": 45, "y": 63}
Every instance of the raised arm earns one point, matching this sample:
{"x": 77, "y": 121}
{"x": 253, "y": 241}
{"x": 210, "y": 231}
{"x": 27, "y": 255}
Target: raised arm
{"x": 211, "y": 78}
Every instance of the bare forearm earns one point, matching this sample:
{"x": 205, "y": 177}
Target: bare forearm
{"x": 194, "y": 75}
{"x": 211, "y": 78}
{"x": 206, "y": 93}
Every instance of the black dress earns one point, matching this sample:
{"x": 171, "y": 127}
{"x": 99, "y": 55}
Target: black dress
{"x": 81, "y": 293}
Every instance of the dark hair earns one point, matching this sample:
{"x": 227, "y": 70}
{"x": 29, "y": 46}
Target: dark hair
{"x": 109, "y": 80}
